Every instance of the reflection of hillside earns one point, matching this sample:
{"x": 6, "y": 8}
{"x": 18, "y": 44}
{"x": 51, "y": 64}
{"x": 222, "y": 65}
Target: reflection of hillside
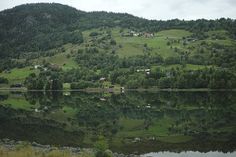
{"x": 20, "y": 125}
{"x": 159, "y": 121}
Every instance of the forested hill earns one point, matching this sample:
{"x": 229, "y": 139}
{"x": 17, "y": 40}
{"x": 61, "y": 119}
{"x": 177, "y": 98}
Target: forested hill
{"x": 51, "y": 46}
{"x": 42, "y": 26}
{"x": 35, "y": 27}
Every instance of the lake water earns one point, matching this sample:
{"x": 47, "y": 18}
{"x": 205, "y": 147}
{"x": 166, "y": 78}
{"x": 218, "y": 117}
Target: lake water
{"x": 174, "y": 124}
{"x": 190, "y": 154}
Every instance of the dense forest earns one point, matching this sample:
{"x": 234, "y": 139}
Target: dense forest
{"x": 58, "y": 44}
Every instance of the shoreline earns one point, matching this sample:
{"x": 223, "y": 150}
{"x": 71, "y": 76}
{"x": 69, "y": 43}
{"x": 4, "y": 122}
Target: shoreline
{"x": 9, "y": 148}
{"x": 115, "y": 90}
{"x": 8, "y": 145}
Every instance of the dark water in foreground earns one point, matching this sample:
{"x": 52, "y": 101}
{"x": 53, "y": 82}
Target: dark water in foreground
{"x": 183, "y": 124}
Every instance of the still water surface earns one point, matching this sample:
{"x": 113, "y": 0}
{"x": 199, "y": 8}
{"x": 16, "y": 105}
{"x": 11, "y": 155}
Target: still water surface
{"x": 191, "y": 123}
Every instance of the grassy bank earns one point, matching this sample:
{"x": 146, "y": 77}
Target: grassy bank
{"x": 28, "y": 151}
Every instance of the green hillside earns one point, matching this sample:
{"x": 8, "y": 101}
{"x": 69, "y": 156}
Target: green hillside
{"x": 55, "y": 44}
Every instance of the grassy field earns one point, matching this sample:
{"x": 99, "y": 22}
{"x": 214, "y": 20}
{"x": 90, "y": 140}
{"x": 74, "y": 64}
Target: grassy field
{"x": 175, "y": 139}
{"x": 29, "y": 151}
{"x": 131, "y": 124}
{"x": 132, "y": 129}
{"x": 136, "y": 128}
{"x": 128, "y": 46}
{"x": 19, "y": 102}
{"x": 132, "y": 46}
{"x": 63, "y": 61}
{"x": 62, "y": 115}
{"x": 219, "y": 33}
{"x": 160, "y": 127}
{"x": 17, "y": 75}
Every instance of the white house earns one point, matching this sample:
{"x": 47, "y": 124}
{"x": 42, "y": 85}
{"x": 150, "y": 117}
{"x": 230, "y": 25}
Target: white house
{"x": 102, "y": 79}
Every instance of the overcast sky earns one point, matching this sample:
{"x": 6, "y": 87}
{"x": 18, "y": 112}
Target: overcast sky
{"x": 150, "y": 9}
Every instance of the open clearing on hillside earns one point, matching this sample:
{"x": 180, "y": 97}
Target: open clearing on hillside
{"x": 132, "y": 46}
{"x": 18, "y": 75}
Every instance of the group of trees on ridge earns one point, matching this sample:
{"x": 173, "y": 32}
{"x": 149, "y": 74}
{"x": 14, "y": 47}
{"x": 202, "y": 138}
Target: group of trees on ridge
{"x": 40, "y": 27}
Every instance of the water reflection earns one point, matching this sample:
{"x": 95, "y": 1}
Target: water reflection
{"x": 133, "y": 122}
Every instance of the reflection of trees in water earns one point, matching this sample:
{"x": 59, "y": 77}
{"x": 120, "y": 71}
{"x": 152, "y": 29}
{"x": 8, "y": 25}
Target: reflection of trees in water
{"x": 20, "y": 125}
{"x": 198, "y": 114}
{"x": 192, "y": 112}
{"x": 48, "y": 101}
{"x": 3, "y": 97}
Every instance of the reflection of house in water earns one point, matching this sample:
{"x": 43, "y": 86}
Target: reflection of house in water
{"x": 111, "y": 89}
{"x": 16, "y": 85}
{"x": 147, "y": 71}
{"x": 122, "y": 89}
{"x": 102, "y": 99}
{"x": 136, "y": 139}
{"x": 66, "y": 93}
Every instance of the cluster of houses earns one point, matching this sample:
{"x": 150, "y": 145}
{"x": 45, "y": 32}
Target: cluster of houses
{"x": 51, "y": 66}
{"x": 139, "y": 34}
{"x": 40, "y": 67}
{"x": 188, "y": 40}
{"x": 147, "y": 71}
{"x": 42, "y": 110}
{"x": 112, "y": 87}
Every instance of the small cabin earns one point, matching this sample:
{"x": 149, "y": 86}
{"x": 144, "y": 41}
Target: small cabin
{"x": 37, "y": 66}
{"x": 102, "y": 79}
